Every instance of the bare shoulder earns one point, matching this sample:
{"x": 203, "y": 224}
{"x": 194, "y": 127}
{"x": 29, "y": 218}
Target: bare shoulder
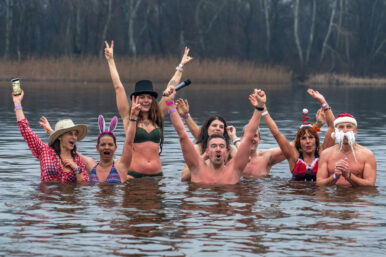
{"x": 198, "y": 148}
{"x": 365, "y": 151}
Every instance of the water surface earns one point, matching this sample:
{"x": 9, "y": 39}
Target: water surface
{"x": 273, "y": 216}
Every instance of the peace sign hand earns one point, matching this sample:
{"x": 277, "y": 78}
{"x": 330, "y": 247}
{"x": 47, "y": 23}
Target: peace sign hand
{"x": 109, "y": 50}
{"x": 135, "y": 107}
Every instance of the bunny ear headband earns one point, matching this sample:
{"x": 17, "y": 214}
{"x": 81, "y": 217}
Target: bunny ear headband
{"x": 110, "y": 131}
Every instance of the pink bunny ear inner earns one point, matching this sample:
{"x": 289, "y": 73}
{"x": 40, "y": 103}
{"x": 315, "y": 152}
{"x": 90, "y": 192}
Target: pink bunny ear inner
{"x": 101, "y": 123}
{"x": 113, "y": 124}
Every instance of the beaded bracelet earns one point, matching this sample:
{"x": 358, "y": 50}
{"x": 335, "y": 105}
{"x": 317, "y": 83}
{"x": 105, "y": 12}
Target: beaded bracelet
{"x": 264, "y": 113}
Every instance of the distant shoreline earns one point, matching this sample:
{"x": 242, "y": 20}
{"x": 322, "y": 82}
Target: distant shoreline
{"x": 221, "y": 71}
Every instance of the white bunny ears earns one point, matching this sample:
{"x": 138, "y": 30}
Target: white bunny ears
{"x": 110, "y": 130}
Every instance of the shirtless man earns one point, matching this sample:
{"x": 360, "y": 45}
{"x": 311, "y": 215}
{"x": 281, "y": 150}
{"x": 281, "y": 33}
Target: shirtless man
{"x": 346, "y": 163}
{"x": 216, "y": 171}
{"x": 261, "y": 162}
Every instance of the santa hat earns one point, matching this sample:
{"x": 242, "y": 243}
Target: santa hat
{"x": 345, "y": 117}
{"x": 305, "y": 119}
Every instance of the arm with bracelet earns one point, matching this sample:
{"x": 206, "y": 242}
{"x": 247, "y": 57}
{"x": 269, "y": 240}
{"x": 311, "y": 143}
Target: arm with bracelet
{"x": 183, "y": 111}
{"x": 176, "y": 78}
{"x": 329, "y": 116}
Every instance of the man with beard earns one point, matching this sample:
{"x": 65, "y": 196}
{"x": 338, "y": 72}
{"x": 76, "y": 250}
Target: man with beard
{"x": 346, "y": 163}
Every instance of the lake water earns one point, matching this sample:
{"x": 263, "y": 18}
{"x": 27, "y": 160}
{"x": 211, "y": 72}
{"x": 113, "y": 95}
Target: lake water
{"x": 273, "y": 216}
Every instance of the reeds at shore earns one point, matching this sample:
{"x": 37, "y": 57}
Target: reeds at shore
{"x": 343, "y": 79}
{"x": 93, "y": 69}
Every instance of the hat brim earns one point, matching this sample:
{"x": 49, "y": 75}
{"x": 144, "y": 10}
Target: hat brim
{"x": 152, "y": 93}
{"x": 81, "y": 128}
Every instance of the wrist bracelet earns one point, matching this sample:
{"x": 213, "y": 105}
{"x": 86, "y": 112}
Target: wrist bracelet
{"x": 264, "y": 113}
{"x": 335, "y": 177}
{"x": 187, "y": 116}
{"x": 259, "y": 108}
{"x": 133, "y": 120}
{"x": 169, "y": 103}
{"x": 324, "y": 105}
{"x": 179, "y": 69}
{"x": 181, "y": 66}
{"x": 172, "y": 110}
{"x": 18, "y": 107}
{"x": 328, "y": 108}
{"x": 237, "y": 139}
{"x": 77, "y": 170}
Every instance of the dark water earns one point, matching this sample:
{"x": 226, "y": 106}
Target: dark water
{"x": 273, "y": 216}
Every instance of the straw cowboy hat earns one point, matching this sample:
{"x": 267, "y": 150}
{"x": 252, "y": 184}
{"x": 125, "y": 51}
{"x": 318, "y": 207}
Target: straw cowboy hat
{"x": 64, "y": 126}
{"x": 144, "y": 87}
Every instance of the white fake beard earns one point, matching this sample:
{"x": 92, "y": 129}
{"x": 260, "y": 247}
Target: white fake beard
{"x": 339, "y": 137}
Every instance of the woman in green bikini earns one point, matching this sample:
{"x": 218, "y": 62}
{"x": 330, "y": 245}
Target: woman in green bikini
{"x": 148, "y": 140}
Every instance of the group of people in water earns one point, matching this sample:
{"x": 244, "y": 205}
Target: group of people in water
{"x": 211, "y": 160}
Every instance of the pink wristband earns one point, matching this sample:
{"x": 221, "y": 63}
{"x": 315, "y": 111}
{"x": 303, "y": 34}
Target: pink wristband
{"x": 169, "y": 103}
{"x": 171, "y": 111}
{"x": 187, "y": 116}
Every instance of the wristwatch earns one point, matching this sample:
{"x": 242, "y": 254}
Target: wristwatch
{"x": 77, "y": 170}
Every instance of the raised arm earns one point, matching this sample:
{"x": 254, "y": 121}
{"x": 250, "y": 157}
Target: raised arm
{"x": 120, "y": 93}
{"x": 183, "y": 111}
{"x": 241, "y": 158}
{"x": 286, "y": 147}
{"x": 175, "y": 79}
{"x": 192, "y": 158}
{"x": 33, "y": 141}
{"x": 127, "y": 150}
{"x": 328, "y": 141}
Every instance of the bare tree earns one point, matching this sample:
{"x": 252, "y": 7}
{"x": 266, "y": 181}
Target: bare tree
{"x": 132, "y": 12}
{"x": 296, "y": 33}
{"x": 106, "y": 26}
{"x": 8, "y": 28}
{"x": 330, "y": 26}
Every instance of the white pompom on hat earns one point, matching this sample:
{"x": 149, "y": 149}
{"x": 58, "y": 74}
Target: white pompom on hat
{"x": 345, "y": 117}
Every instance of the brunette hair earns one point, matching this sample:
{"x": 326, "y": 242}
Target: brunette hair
{"x": 156, "y": 118}
{"x": 110, "y": 134}
{"x": 301, "y": 132}
{"x": 56, "y": 146}
{"x": 203, "y": 137}
{"x": 219, "y": 136}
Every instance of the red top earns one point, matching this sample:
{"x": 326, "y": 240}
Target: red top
{"x": 50, "y": 167}
{"x": 302, "y": 171}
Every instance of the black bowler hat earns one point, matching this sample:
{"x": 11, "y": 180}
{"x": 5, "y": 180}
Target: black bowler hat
{"x": 144, "y": 87}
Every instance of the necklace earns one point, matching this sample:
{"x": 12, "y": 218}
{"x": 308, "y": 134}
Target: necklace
{"x": 146, "y": 123}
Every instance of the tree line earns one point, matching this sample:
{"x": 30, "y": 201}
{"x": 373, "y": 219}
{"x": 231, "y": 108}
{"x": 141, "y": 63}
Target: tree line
{"x": 308, "y": 36}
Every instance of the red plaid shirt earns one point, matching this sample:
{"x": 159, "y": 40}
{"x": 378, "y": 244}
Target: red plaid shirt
{"x": 50, "y": 167}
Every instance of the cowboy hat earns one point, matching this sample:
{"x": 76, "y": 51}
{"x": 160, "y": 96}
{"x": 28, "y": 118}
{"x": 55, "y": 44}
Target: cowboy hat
{"x": 144, "y": 87}
{"x": 64, "y": 126}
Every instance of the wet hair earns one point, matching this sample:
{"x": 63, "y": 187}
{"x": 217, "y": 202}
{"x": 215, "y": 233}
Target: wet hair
{"x": 56, "y": 146}
{"x": 203, "y": 137}
{"x": 155, "y": 117}
{"x": 301, "y": 132}
{"x": 110, "y": 134}
{"x": 219, "y": 136}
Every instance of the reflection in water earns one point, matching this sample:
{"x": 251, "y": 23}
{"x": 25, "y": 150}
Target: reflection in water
{"x": 272, "y": 216}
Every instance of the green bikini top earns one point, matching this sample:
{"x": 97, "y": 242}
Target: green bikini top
{"x": 141, "y": 135}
